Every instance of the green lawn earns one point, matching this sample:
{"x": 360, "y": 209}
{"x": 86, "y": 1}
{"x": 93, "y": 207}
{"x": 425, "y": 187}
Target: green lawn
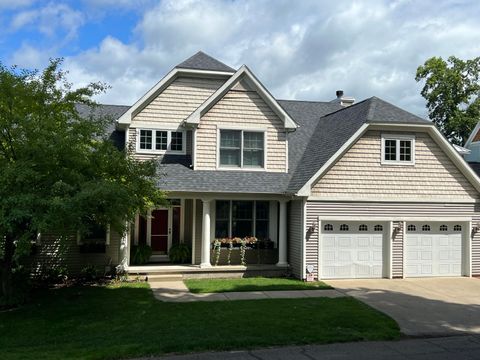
{"x": 121, "y": 321}
{"x": 251, "y": 284}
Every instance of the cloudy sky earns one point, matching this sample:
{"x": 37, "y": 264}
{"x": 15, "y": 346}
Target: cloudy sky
{"x": 299, "y": 49}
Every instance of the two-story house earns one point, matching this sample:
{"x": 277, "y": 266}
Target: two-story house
{"x": 341, "y": 190}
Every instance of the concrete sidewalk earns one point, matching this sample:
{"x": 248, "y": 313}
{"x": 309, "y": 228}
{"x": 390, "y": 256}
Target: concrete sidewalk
{"x": 455, "y": 347}
{"x": 176, "y": 291}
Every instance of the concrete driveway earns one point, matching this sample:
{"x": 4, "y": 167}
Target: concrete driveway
{"x": 427, "y": 306}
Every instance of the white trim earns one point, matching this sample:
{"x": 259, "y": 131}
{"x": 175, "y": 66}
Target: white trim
{"x": 467, "y": 234}
{"x": 413, "y": 200}
{"x": 319, "y": 249}
{"x": 304, "y": 241}
{"x": 306, "y": 188}
{"x": 169, "y": 141}
{"x": 126, "y": 118}
{"x": 182, "y": 221}
{"x": 262, "y": 130}
{"x": 194, "y": 148}
{"x": 194, "y": 226}
{"x": 389, "y": 241}
{"x": 404, "y": 240}
{"x": 148, "y": 240}
{"x": 242, "y": 73}
{"x": 397, "y": 138}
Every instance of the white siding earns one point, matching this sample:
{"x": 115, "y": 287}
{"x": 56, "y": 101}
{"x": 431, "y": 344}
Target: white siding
{"x": 241, "y": 109}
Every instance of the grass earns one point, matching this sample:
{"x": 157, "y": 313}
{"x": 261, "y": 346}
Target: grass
{"x": 122, "y": 321}
{"x": 251, "y": 284}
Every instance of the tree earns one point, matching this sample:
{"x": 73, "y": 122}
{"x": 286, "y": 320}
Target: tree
{"x": 452, "y": 90}
{"x": 57, "y": 169}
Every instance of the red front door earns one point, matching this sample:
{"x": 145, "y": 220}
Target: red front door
{"x": 159, "y": 240}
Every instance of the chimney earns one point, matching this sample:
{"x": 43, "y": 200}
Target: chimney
{"x": 342, "y": 99}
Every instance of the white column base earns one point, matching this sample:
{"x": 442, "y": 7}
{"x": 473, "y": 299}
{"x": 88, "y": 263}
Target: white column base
{"x": 282, "y": 264}
{"x": 205, "y": 265}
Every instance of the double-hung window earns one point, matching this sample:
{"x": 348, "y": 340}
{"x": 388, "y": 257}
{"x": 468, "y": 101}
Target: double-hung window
{"x": 398, "y": 149}
{"x": 242, "y": 149}
{"x": 150, "y": 140}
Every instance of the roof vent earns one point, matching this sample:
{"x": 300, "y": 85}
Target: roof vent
{"x": 342, "y": 99}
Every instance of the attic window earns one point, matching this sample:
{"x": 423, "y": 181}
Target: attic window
{"x": 242, "y": 149}
{"x": 398, "y": 149}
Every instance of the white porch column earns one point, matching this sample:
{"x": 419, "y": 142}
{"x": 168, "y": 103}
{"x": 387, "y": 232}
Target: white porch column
{"x": 282, "y": 234}
{"x": 205, "y": 258}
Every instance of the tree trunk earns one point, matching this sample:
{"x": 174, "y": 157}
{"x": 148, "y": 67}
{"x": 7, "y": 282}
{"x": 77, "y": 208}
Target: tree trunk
{"x": 6, "y": 267}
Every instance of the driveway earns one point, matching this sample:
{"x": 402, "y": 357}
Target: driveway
{"x": 422, "y": 307}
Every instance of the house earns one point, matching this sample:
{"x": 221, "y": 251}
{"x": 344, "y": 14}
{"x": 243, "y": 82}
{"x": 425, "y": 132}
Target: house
{"x": 341, "y": 189}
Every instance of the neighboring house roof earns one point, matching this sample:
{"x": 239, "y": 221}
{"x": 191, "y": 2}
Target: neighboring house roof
{"x": 202, "y": 61}
{"x": 461, "y": 150}
{"x": 111, "y": 112}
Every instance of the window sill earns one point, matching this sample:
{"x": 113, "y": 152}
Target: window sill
{"x": 398, "y": 163}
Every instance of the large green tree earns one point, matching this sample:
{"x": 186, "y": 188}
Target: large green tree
{"x": 452, "y": 91}
{"x": 58, "y": 170}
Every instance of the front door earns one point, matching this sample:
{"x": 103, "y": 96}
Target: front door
{"x": 160, "y": 230}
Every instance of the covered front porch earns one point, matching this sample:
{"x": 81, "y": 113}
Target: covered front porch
{"x": 221, "y": 230}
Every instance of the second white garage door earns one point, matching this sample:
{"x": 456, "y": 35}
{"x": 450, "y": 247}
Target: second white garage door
{"x": 433, "y": 249}
{"x": 351, "y": 250}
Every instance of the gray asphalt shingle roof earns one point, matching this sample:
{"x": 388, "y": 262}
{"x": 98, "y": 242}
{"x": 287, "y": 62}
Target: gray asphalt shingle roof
{"x": 202, "y": 61}
{"x": 323, "y": 129}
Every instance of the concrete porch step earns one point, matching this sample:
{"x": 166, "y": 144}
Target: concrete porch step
{"x": 165, "y": 277}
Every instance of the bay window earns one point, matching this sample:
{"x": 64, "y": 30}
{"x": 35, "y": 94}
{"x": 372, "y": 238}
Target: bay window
{"x": 242, "y": 149}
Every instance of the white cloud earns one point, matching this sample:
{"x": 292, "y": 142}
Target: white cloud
{"x": 305, "y": 50}
{"x": 50, "y": 19}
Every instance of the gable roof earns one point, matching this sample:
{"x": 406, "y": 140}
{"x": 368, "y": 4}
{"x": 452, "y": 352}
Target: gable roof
{"x": 243, "y": 73}
{"x": 202, "y": 61}
{"x": 335, "y": 129}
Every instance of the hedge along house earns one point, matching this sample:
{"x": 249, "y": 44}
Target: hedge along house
{"x": 337, "y": 189}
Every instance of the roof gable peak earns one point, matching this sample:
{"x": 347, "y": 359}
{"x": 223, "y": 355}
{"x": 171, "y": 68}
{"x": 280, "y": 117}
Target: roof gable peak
{"x": 202, "y": 61}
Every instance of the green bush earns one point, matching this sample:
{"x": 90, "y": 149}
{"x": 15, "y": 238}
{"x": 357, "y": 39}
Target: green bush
{"x": 89, "y": 273}
{"x": 141, "y": 254}
{"x": 180, "y": 253}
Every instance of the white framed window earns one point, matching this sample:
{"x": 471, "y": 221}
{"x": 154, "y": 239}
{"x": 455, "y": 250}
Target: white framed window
{"x": 161, "y": 141}
{"x": 241, "y": 149}
{"x": 398, "y": 149}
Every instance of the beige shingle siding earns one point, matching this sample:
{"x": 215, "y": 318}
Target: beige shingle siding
{"x": 397, "y": 250}
{"x": 174, "y": 104}
{"x": 241, "y": 109}
{"x": 295, "y": 223}
{"x": 55, "y": 251}
{"x": 321, "y": 209}
{"x": 360, "y": 175}
{"x": 476, "y": 248}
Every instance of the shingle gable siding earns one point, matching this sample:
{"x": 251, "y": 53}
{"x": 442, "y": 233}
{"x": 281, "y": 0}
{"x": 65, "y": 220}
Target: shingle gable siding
{"x": 241, "y": 109}
{"x": 359, "y": 174}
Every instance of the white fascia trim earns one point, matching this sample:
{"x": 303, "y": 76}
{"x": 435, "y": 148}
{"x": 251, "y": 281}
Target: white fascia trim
{"x": 194, "y": 118}
{"x": 162, "y": 84}
{"x": 472, "y": 135}
{"x": 305, "y": 190}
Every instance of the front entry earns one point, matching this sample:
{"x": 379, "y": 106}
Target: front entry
{"x": 160, "y": 230}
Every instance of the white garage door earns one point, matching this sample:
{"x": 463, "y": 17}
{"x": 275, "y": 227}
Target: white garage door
{"x": 351, "y": 250}
{"x": 433, "y": 249}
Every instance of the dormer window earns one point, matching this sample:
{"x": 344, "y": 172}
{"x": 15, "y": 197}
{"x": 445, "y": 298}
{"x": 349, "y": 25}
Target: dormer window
{"x": 398, "y": 149}
{"x": 241, "y": 149}
{"x": 161, "y": 141}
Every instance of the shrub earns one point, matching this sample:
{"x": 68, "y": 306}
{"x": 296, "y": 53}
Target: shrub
{"x": 141, "y": 254}
{"x": 89, "y": 273}
{"x": 180, "y": 253}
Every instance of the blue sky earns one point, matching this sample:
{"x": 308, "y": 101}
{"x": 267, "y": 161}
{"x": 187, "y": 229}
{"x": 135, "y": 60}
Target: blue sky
{"x": 299, "y": 49}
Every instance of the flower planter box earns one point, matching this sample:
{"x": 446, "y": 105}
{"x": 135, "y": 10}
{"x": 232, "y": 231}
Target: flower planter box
{"x": 252, "y": 256}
